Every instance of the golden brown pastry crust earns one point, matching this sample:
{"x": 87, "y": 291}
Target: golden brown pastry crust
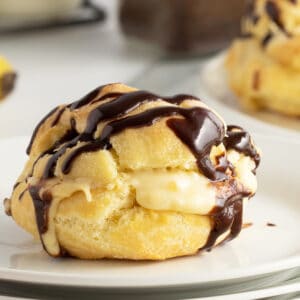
{"x": 92, "y": 212}
{"x": 264, "y": 66}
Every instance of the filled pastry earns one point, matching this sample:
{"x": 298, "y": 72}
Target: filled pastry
{"x": 263, "y": 65}
{"x": 128, "y": 174}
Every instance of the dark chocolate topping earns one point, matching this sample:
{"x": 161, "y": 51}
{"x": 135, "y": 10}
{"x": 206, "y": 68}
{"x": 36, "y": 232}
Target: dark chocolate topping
{"x": 57, "y": 117}
{"x": 240, "y": 140}
{"x": 226, "y": 218}
{"x": 266, "y": 40}
{"x": 273, "y": 12}
{"x": 86, "y": 99}
{"x": 22, "y": 194}
{"x": 38, "y": 127}
{"x": 41, "y": 206}
{"x": 191, "y": 131}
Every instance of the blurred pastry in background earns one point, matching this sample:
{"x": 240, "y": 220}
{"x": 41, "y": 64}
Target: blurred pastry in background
{"x": 128, "y": 174}
{"x": 263, "y": 64}
{"x": 191, "y": 26}
{"x": 7, "y": 78}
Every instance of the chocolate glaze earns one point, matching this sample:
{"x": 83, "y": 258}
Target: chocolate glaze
{"x": 228, "y": 217}
{"x": 16, "y": 185}
{"x": 256, "y": 80}
{"x": 267, "y": 39}
{"x": 86, "y": 99}
{"x": 28, "y": 150}
{"x": 41, "y": 206}
{"x": 273, "y": 12}
{"x": 105, "y": 97}
{"x": 57, "y": 117}
{"x": 72, "y": 135}
{"x": 240, "y": 140}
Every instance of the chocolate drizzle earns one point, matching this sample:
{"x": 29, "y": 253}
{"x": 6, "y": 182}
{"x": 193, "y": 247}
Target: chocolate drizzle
{"x": 227, "y": 218}
{"x": 240, "y": 140}
{"x": 28, "y": 150}
{"x": 86, "y": 99}
{"x": 41, "y": 206}
{"x": 197, "y": 127}
{"x": 273, "y": 12}
{"x": 266, "y": 40}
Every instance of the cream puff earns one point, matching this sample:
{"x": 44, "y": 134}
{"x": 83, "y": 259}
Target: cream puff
{"x": 263, "y": 65}
{"x": 128, "y": 174}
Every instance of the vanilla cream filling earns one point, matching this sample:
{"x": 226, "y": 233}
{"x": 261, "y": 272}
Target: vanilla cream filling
{"x": 181, "y": 191}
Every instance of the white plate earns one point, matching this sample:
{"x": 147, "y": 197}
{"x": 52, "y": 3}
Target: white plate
{"x": 258, "y": 251}
{"x": 217, "y": 87}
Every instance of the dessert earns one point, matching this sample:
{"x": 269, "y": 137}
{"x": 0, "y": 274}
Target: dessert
{"x": 192, "y": 26}
{"x": 128, "y": 174}
{"x": 263, "y": 65}
{"x": 7, "y": 78}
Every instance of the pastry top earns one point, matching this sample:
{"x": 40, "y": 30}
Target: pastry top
{"x": 119, "y": 138}
{"x": 275, "y": 24}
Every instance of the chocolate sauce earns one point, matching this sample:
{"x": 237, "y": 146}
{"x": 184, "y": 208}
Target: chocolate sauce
{"x": 240, "y": 140}
{"x": 271, "y": 224}
{"x": 86, "y": 99}
{"x": 273, "y": 12}
{"x": 267, "y": 39}
{"x": 41, "y": 206}
{"x": 16, "y": 185}
{"x": 228, "y": 217}
{"x": 199, "y": 130}
{"x": 28, "y": 150}
{"x": 57, "y": 117}
{"x": 22, "y": 194}
{"x": 72, "y": 135}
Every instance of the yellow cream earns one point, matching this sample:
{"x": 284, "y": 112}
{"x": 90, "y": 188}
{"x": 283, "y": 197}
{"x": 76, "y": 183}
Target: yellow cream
{"x": 188, "y": 192}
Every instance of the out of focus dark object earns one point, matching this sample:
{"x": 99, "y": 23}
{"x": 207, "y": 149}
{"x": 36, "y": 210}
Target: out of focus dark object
{"x": 30, "y": 15}
{"x": 7, "y": 78}
{"x": 195, "y": 26}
